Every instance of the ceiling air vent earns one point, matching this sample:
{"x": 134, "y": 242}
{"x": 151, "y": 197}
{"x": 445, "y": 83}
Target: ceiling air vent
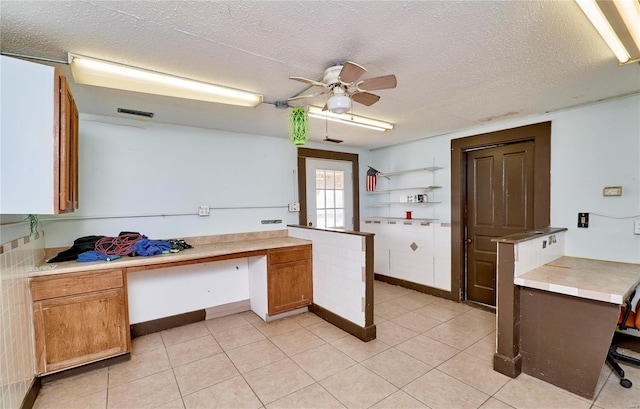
{"x": 134, "y": 112}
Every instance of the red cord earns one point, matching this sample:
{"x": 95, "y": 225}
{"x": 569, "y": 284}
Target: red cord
{"x": 117, "y": 246}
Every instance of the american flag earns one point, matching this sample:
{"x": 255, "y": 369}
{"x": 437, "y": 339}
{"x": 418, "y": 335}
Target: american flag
{"x": 372, "y": 176}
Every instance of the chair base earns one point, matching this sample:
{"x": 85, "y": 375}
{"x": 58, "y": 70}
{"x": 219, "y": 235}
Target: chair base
{"x": 613, "y": 356}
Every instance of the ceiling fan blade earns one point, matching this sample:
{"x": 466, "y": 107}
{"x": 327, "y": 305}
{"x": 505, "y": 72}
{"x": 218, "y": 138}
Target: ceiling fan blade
{"x": 305, "y": 96}
{"x": 350, "y": 72}
{"x": 308, "y": 81}
{"x": 384, "y": 82}
{"x": 365, "y": 98}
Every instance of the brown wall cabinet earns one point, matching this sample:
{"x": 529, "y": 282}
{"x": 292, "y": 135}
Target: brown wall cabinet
{"x": 79, "y": 318}
{"x": 39, "y": 158}
{"x": 289, "y": 279}
{"x": 67, "y": 152}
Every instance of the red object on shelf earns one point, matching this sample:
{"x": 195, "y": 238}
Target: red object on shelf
{"x": 408, "y": 216}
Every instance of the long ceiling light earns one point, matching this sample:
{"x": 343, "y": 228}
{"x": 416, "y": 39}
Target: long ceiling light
{"x": 92, "y": 71}
{"x": 350, "y": 119}
{"x": 618, "y": 23}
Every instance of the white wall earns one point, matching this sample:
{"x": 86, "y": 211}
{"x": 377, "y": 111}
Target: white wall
{"x": 135, "y": 168}
{"x": 13, "y": 226}
{"x": 591, "y": 147}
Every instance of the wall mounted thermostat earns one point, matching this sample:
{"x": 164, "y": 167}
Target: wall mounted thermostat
{"x": 612, "y": 191}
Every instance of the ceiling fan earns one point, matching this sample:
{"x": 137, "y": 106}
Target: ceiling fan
{"x": 343, "y": 84}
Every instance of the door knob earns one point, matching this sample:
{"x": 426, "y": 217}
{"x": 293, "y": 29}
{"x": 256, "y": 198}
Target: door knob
{"x": 468, "y": 241}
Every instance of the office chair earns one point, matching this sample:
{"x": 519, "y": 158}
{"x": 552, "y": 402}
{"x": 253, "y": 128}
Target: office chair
{"x": 628, "y": 319}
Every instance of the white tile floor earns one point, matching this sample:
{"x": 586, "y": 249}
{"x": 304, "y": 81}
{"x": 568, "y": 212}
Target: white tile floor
{"x": 430, "y": 353}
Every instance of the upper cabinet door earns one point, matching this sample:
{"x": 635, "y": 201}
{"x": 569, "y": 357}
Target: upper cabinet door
{"x": 39, "y": 140}
{"x": 68, "y": 149}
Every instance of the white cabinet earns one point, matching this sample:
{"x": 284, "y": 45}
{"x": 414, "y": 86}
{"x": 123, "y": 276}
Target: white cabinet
{"x": 380, "y": 244}
{"x": 38, "y": 140}
{"x": 397, "y": 193}
{"x": 412, "y": 250}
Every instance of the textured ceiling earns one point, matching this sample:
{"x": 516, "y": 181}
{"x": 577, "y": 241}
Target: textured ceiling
{"x": 459, "y": 64}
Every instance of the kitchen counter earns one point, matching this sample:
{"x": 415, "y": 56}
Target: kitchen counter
{"x": 585, "y": 278}
{"x": 528, "y": 235}
{"x": 201, "y": 252}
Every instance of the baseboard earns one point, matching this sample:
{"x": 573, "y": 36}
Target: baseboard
{"x": 227, "y": 309}
{"x": 32, "y": 393}
{"x": 415, "y": 286}
{"x": 287, "y": 314}
{"x": 161, "y": 324}
{"x": 366, "y": 334}
{"x": 85, "y": 368}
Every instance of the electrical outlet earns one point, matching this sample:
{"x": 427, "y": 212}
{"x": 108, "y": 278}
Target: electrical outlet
{"x": 294, "y": 207}
{"x": 204, "y": 211}
{"x": 583, "y": 220}
{"x": 636, "y": 227}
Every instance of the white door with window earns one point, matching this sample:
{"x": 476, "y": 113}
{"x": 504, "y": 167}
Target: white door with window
{"x": 329, "y": 194}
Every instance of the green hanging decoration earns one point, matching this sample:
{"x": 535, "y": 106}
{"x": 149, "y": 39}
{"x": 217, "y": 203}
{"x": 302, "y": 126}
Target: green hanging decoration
{"x": 299, "y": 126}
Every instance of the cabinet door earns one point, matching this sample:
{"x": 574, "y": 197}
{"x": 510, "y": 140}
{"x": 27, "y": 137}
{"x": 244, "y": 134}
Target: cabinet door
{"x": 68, "y": 150}
{"x": 380, "y": 245}
{"x": 79, "y": 329}
{"x": 411, "y": 252}
{"x": 289, "y": 286}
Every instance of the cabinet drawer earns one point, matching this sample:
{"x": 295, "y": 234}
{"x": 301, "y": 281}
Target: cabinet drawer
{"x": 289, "y": 254}
{"x": 62, "y": 285}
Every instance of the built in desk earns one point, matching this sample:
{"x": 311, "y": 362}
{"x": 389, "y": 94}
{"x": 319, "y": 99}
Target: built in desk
{"x": 569, "y": 309}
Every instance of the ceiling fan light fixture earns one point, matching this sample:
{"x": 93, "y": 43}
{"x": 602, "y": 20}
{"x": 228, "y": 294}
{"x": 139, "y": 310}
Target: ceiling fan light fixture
{"x": 339, "y": 103}
{"x": 101, "y": 73}
{"x": 350, "y": 119}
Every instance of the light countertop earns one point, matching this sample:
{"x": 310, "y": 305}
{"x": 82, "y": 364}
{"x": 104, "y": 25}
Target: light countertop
{"x": 528, "y": 235}
{"x": 199, "y": 251}
{"x": 606, "y": 281}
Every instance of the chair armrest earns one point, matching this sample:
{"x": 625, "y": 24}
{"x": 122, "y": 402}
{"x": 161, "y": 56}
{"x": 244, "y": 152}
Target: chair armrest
{"x": 622, "y": 321}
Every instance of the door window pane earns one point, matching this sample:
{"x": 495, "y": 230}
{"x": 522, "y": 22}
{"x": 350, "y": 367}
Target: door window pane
{"x": 330, "y": 203}
{"x": 321, "y": 220}
{"x": 339, "y": 199}
{"x": 319, "y": 179}
{"x": 330, "y": 218}
{"x": 320, "y": 203}
{"x": 340, "y": 217}
{"x": 339, "y": 180}
{"x": 329, "y": 174}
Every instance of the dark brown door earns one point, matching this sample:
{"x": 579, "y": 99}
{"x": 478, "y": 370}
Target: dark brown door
{"x": 499, "y": 203}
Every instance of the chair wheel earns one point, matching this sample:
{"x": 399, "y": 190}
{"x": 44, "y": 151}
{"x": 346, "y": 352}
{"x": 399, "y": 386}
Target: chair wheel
{"x": 625, "y": 383}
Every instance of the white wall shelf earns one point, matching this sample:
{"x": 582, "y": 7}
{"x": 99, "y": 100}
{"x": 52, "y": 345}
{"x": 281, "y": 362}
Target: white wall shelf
{"x": 398, "y": 219}
{"x": 402, "y": 172}
{"x": 383, "y": 204}
{"x": 417, "y": 188}
{"x": 408, "y": 181}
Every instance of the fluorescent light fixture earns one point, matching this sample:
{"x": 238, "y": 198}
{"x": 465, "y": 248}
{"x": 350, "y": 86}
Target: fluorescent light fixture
{"x": 618, "y": 23}
{"x": 317, "y": 112}
{"x": 92, "y": 71}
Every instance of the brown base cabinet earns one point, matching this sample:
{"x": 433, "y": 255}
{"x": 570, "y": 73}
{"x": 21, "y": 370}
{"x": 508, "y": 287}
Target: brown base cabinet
{"x": 289, "y": 279}
{"x": 79, "y": 318}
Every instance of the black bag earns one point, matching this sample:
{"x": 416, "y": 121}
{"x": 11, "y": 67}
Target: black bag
{"x": 86, "y": 243}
